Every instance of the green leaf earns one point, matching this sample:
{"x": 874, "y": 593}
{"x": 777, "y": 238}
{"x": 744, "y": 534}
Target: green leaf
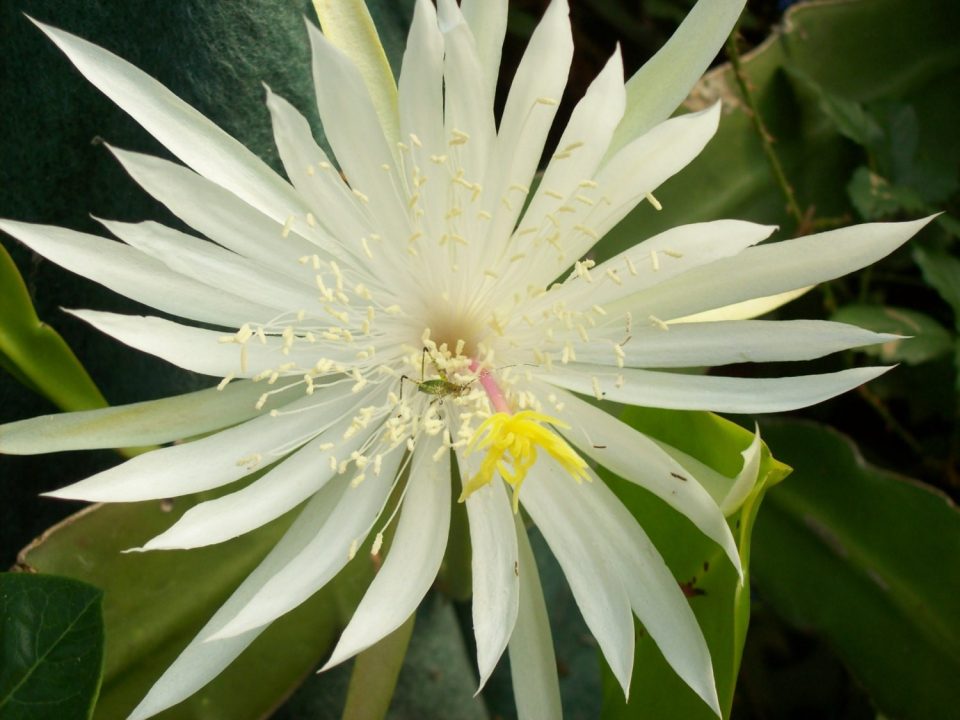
{"x": 51, "y": 647}
{"x": 927, "y": 339}
{"x": 375, "y": 675}
{"x": 720, "y": 603}
{"x": 866, "y": 559}
{"x": 941, "y": 271}
{"x": 875, "y": 198}
{"x": 34, "y": 353}
{"x": 154, "y": 603}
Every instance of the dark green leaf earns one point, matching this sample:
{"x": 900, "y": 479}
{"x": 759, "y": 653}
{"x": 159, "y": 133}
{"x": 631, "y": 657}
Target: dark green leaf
{"x": 51, "y": 647}
{"x": 875, "y": 198}
{"x": 927, "y": 339}
{"x": 942, "y": 271}
{"x": 866, "y": 559}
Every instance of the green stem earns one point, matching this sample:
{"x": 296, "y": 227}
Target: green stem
{"x": 766, "y": 139}
{"x": 375, "y": 674}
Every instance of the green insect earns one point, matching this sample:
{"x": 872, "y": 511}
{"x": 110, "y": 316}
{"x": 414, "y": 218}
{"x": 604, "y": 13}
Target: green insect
{"x": 440, "y": 387}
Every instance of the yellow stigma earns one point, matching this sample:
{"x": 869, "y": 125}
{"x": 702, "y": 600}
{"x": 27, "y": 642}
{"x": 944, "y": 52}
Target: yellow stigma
{"x": 518, "y": 436}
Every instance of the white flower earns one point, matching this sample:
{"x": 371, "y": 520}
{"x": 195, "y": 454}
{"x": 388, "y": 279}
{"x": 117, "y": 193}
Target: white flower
{"x": 377, "y": 319}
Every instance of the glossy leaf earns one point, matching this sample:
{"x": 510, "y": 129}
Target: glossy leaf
{"x": 865, "y": 558}
{"x": 51, "y": 647}
{"x": 720, "y": 602}
{"x": 34, "y": 353}
{"x": 925, "y": 338}
{"x": 942, "y": 271}
{"x": 154, "y": 603}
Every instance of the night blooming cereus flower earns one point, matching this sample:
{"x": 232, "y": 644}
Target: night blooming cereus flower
{"x": 395, "y": 305}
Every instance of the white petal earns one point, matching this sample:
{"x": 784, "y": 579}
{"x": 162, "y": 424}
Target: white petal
{"x": 771, "y": 269}
{"x": 595, "y": 581}
{"x": 202, "y": 351}
{"x": 649, "y": 160}
{"x": 184, "y": 131}
{"x": 337, "y": 209}
{"x": 413, "y": 559}
{"x": 527, "y": 117}
{"x": 655, "y": 596}
{"x": 649, "y": 388}
{"x": 353, "y": 130}
{"x": 220, "y": 269}
{"x": 533, "y": 664}
{"x": 323, "y": 557}
{"x": 623, "y": 183}
{"x": 746, "y": 310}
{"x": 661, "y": 257}
{"x": 468, "y": 104}
{"x": 203, "y": 659}
{"x": 638, "y": 459}
{"x": 139, "y": 424}
{"x": 135, "y": 275}
{"x": 488, "y": 23}
{"x": 217, "y": 213}
{"x": 722, "y": 343}
{"x": 348, "y": 25}
{"x": 589, "y": 129}
{"x": 215, "y": 460}
{"x": 746, "y": 479}
{"x": 664, "y": 81}
{"x": 288, "y": 484}
{"x": 421, "y": 112}
{"x": 496, "y": 586}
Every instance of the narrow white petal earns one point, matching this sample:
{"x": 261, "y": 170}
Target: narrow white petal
{"x": 323, "y": 557}
{"x": 594, "y": 576}
{"x": 311, "y": 172}
{"x": 468, "y": 104}
{"x": 664, "y": 82}
{"x": 527, "y": 117}
{"x": 648, "y": 161}
{"x": 218, "y": 213}
{"x": 721, "y": 343}
{"x": 488, "y": 23}
{"x": 184, "y": 131}
{"x": 221, "y": 270}
{"x": 772, "y": 269}
{"x": 421, "y": 116}
{"x": 288, "y": 484}
{"x": 139, "y": 424}
{"x": 638, "y": 459}
{"x": 496, "y": 587}
{"x": 649, "y": 388}
{"x": 746, "y": 479}
{"x": 135, "y": 275}
{"x": 746, "y": 310}
{"x": 413, "y": 559}
{"x": 353, "y": 130}
{"x": 215, "y": 460}
{"x": 204, "y": 659}
{"x": 654, "y": 594}
{"x": 348, "y": 25}
{"x": 659, "y": 258}
{"x": 588, "y": 132}
{"x": 202, "y": 351}
{"x": 533, "y": 664}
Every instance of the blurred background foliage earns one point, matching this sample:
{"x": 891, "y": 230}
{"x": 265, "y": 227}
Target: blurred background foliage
{"x": 835, "y": 112}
